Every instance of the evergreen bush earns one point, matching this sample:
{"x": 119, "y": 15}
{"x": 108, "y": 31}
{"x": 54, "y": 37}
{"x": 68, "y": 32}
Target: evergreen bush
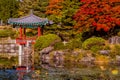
{"x": 115, "y": 50}
{"x": 74, "y": 43}
{"x": 46, "y": 40}
{"x": 94, "y": 44}
{"x": 60, "y": 46}
{"x": 7, "y": 33}
{"x": 118, "y": 34}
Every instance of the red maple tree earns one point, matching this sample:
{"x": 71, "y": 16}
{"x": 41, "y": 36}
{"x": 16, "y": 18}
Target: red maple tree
{"x": 98, "y": 14}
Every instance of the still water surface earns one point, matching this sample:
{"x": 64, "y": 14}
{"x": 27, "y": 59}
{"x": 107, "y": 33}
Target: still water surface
{"x": 69, "y": 72}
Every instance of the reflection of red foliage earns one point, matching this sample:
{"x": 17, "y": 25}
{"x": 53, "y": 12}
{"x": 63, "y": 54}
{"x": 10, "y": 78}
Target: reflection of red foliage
{"x": 24, "y": 68}
{"x": 21, "y": 68}
{"x": 99, "y": 13}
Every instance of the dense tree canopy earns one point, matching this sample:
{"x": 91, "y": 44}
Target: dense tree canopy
{"x": 54, "y": 10}
{"x": 38, "y": 7}
{"x": 67, "y": 15}
{"x": 8, "y": 8}
{"x": 61, "y": 12}
{"x": 98, "y": 14}
{"x": 54, "y": 7}
{"x": 68, "y": 10}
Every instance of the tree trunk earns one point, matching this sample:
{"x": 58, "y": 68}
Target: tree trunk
{"x": 1, "y": 22}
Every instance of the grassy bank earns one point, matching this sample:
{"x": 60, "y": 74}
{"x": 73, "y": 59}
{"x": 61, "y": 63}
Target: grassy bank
{"x": 7, "y": 61}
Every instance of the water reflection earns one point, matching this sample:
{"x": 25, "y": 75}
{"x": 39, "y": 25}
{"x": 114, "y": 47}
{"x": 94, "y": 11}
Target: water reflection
{"x": 64, "y": 71}
{"x": 8, "y": 75}
{"x": 13, "y": 74}
{"x": 79, "y": 71}
{"x": 80, "y": 74}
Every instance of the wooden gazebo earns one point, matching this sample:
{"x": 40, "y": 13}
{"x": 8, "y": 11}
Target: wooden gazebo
{"x": 30, "y": 21}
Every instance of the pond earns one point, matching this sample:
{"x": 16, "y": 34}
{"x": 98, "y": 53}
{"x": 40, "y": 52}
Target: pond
{"x": 66, "y": 71}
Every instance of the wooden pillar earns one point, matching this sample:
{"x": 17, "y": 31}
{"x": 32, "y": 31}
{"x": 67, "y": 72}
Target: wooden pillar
{"x": 39, "y": 31}
{"x": 20, "y": 55}
{"x": 20, "y": 32}
{"x": 24, "y": 32}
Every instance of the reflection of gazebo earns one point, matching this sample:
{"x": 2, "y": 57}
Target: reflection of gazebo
{"x": 30, "y": 21}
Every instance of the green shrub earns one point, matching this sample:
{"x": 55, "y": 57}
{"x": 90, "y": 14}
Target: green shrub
{"x": 31, "y": 32}
{"x": 74, "y": 43}
{"x": 7, "y": 33}
{"x": 107, "y": 47}
{"x": 59, "y": 46}
{"x": 115, "y": 50}
{"x": 79, "y": 36}
{"x": 46, "y": 40}
{"x": 96, "y": 48}
{"x": 94, "y": 44}
{"x": 8, "y": 62}
{"x": 118, "y": 34}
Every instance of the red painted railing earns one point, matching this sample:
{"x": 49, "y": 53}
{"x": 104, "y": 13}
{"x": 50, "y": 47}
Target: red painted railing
{"x": 23, "y": 41}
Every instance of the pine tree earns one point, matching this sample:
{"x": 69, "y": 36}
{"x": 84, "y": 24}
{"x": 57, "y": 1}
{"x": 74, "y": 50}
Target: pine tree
{"x": 68, "y": 10}
{"x": 38, "y": 7}
{"x": 8, "y": 9}
{"x": 61, "y": 13}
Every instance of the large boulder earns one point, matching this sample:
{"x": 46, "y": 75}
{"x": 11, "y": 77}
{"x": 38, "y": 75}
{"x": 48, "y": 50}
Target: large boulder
{"x": 104, "y": 52}
{"x": 87, "y": 59}
{"x": 118, "y": 58}
{"x": 114, "y": 40}
{"x": 46, "y": 50}
{"x": 58, "y": 55}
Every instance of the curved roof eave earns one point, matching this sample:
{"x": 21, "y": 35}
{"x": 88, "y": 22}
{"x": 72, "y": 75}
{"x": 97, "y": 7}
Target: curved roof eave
{"x": 28, "y": 20}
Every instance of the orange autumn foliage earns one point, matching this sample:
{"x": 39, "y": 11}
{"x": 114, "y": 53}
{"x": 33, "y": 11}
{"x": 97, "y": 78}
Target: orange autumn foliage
{"x": 54, "y": 7}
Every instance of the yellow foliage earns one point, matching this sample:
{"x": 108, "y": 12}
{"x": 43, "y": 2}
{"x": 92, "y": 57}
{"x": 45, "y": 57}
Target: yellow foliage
{"x": 5, "y": 27}
{"x": 37, "y": 71}
{"x": 101, "y": 60}
{"x": 114, "y": 72}
{"x": 20, "y": 13}
{"x": 102, "y": 68}
{"x": 28, "y": 30}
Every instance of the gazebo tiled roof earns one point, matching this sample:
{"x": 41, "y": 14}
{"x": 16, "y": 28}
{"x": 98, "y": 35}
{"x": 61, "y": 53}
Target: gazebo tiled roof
{"x": 29, "y": 21}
